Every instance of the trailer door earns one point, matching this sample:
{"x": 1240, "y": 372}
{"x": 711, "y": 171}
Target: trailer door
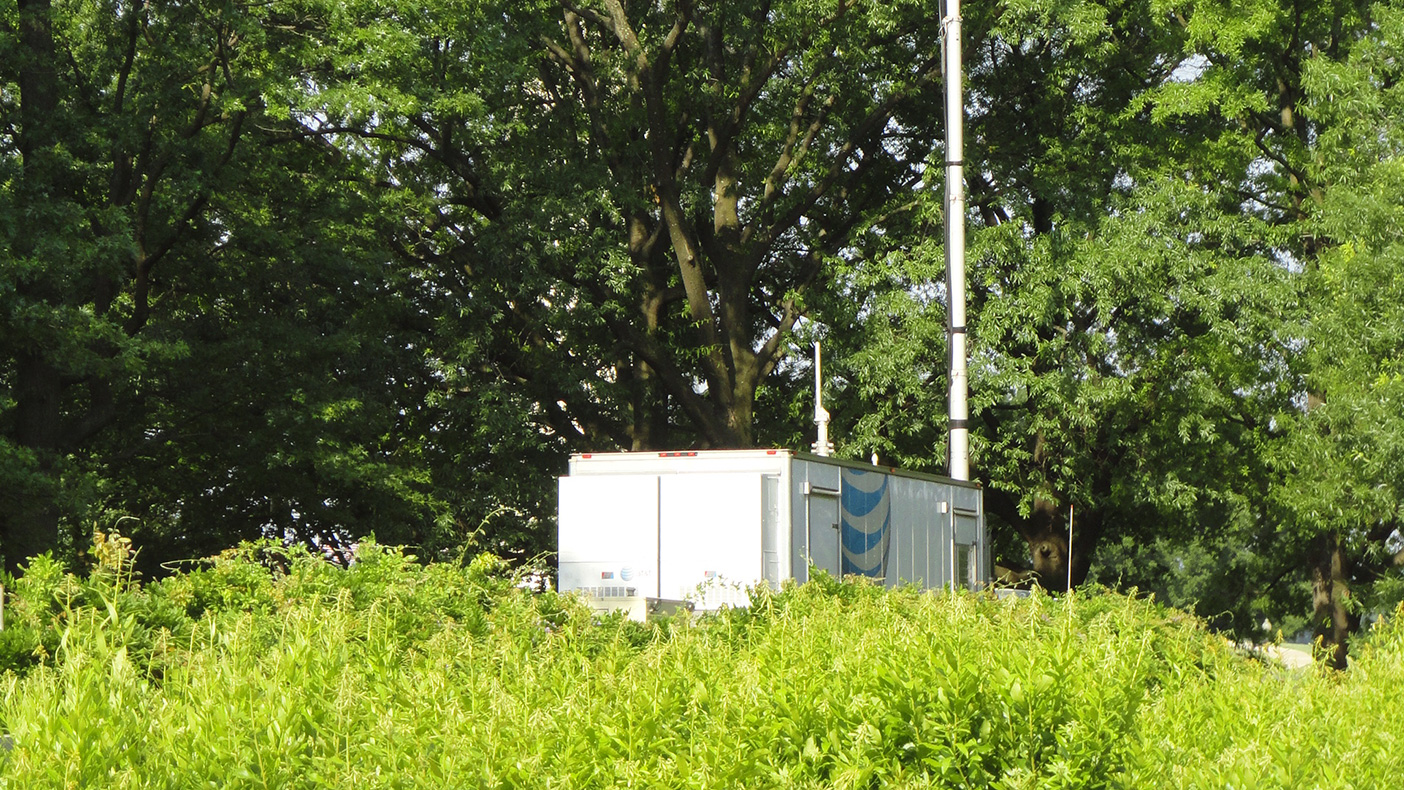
{"x": 609, "y": 534}
{"x": 825, "y": 552}
{"x": 710, "y": 535}
{"x": 966, "y": 572}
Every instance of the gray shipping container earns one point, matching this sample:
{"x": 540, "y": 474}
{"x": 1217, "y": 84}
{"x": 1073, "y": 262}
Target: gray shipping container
{"x": 639, "y": 528}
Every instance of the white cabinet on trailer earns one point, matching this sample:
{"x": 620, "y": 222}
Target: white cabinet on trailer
{"x": 637, "y": 529}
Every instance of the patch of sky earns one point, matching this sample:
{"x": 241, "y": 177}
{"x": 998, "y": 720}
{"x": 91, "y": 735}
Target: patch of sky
{"x": 1190, "y": 69}
{"x": 1395, "y": 542}
{"x": 1286, "y": 260}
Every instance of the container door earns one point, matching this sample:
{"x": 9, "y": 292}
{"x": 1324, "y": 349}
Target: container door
{"x": 825, "y": 552}
{"x": 710, "y": 536}
{"x": 770, "y": 530}
{"x": 609, "y": 535}
{"x": 967, "y": 559}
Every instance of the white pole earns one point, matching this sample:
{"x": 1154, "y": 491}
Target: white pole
{"x": 1070, "y": 515}
{"x": 821, "y": 416}
{"x": 955, "y": 244}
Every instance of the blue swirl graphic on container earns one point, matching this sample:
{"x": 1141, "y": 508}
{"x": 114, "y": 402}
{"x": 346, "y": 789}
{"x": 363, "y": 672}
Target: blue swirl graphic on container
{"x": 867, "y": 515}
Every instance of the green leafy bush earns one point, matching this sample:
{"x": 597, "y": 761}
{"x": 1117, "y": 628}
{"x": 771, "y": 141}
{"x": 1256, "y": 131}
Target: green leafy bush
{"x": 272, "y": 668}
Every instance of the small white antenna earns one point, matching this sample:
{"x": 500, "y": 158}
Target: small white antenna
{"x": 821, "y": 417}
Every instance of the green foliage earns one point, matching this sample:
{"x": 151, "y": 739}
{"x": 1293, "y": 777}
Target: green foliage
{"x": 1131, "y": 333}
{"x": 201, "y": 323}
{"x": 1344, "y": 457}
{"x": 1339, "y": 458}
{"x": 289, "y": 671}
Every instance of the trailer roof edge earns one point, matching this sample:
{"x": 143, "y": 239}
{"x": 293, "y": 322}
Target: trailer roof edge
{"x": 780, "y": 451}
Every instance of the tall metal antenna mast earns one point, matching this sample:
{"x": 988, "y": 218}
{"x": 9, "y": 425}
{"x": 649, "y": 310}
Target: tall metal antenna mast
{"x": 955, "y": 244}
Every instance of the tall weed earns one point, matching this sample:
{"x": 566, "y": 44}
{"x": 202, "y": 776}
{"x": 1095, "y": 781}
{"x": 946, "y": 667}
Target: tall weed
{"x": 271, "y": 668}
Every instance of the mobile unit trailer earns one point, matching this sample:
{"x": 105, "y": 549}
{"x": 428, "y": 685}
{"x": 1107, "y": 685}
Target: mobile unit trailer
{"x": 701, "y": 526}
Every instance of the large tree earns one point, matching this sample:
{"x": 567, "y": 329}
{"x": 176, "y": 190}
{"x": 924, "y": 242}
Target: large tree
{"x": 1125, "y": 327}
{"x": 645, "y": 196}
{"x": 1341, "y": 481}
{"x": 201, "y": 326}
{"x": 120, "y": 120}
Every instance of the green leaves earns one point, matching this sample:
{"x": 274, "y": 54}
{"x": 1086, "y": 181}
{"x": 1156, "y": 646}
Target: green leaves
{"x": 282, "y": 669}
{"x": 1340, "y": 456}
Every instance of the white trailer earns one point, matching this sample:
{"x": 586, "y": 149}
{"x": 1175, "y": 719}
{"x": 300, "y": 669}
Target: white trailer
{"x": 640, "y": 529}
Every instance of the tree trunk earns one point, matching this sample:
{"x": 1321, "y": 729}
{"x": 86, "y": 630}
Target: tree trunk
{"x": 1047, "y": 537}
{"x": 1329, "y": 592}
{"x": 1045, "y": 531}
{"x": 1045, "y": 534}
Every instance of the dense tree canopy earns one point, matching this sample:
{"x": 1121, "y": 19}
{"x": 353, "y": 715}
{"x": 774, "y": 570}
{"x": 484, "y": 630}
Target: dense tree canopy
{"x": 323, "y": 268}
